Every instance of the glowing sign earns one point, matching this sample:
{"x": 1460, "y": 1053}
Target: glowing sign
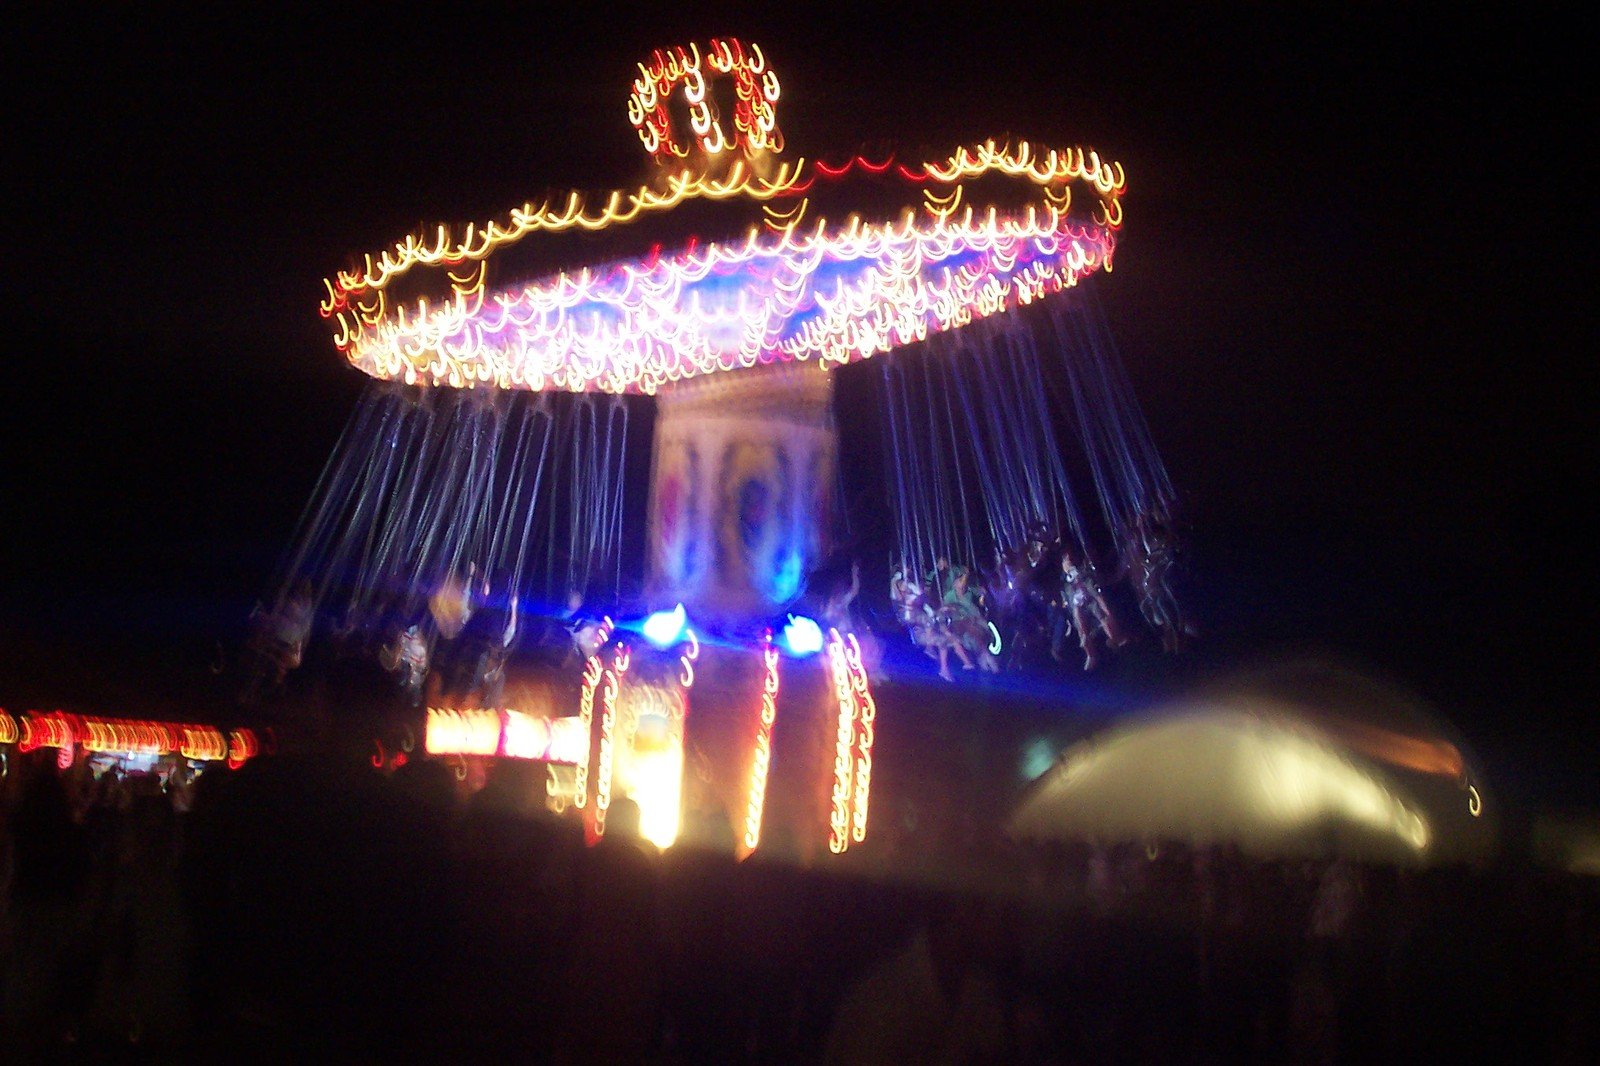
{"x": 844, "y": 745}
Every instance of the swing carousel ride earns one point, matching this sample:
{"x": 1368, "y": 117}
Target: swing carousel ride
{"x": 473, "y": 519}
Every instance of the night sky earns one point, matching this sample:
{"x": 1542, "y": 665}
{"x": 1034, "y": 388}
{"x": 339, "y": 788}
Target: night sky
{"x": 1353, "y": 292}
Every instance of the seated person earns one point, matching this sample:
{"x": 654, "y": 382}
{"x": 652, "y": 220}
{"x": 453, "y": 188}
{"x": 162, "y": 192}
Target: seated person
{"x": 968, "y": 623}
{"x": 1082, "y": 605}
{"x": 408, "y": 655}
{"x": 451, "y": 604}
{"x": 1153, "y": 556}
{"x": 280, "y": 637}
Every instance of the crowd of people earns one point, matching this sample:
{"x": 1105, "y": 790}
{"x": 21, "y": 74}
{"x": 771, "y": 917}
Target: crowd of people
{"x": 308, "y": 905}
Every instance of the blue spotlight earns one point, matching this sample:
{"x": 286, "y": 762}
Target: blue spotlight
{"x": 665, "y": 628}
{"x": 802, "y": 636}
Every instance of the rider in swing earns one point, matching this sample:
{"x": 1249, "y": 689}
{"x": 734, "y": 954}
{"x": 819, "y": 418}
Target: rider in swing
{"x": 968, "y": 624}
{"x": 1083, "y": 606}
{"x": 1153, "y": 556}
{"x": 280, "y": 636}
{"x": 1035, "y": 570}
{"x": 920, "y": 619}
{"x": 408, "y": 655}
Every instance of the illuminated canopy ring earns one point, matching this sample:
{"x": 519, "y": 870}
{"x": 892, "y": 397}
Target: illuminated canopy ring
{"x": 981, "y": 231}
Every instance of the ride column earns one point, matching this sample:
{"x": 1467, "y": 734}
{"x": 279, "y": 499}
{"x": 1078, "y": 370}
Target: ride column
{"x": 741, "y": 491}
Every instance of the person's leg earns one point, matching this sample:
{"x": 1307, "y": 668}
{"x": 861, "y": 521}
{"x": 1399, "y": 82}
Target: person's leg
{"x": 1115, "y": 637}
{"x": 960, "y": 648}
{"x": 1085, "y": 637}
{"x": 1058, "y": 631}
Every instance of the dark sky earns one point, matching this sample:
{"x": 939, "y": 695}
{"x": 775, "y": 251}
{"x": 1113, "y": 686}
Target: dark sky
{"x": 1353, "y": 293}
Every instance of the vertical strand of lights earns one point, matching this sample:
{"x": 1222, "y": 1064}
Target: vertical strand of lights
{"x": 592, "y": 670}
{"x": 662, "y": 824}
{"x": 866, "y": 711}
{"x": 610, "y": 688}
{"x": 762, "y": 759}
{"x": 844, "y": 746}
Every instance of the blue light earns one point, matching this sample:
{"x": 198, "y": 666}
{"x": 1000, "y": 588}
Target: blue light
{"x": 786, "y": 580}
{"x": 1038, "y": 755}
{"x": 802, "y": 636}
{"x": 665, "y": 628}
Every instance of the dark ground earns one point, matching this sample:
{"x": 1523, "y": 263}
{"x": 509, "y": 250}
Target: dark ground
{"x": 309, "y": 908}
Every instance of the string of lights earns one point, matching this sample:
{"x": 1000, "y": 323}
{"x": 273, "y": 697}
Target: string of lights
{"x": 790, "y": 290}
{"x": 96, "y": 735}
{"x": 592, "y": 670}
{"x": 866, "y": 714}
{"x": 610, "y": 688}
{"x": 761, "y": 760}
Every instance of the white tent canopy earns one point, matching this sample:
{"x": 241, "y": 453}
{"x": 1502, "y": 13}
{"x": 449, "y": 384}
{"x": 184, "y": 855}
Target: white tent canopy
{"x": 1344, "y": 767}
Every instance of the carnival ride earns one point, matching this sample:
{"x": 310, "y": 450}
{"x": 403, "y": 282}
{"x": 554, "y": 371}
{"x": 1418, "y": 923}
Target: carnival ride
{"x": 481, "y": 480}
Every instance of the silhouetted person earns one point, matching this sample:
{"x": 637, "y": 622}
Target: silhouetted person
{"x": 50, "y": 971}
{"x": 613, "y": 981}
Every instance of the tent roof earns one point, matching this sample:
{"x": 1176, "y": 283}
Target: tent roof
{"x": 1299, "y": 762}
